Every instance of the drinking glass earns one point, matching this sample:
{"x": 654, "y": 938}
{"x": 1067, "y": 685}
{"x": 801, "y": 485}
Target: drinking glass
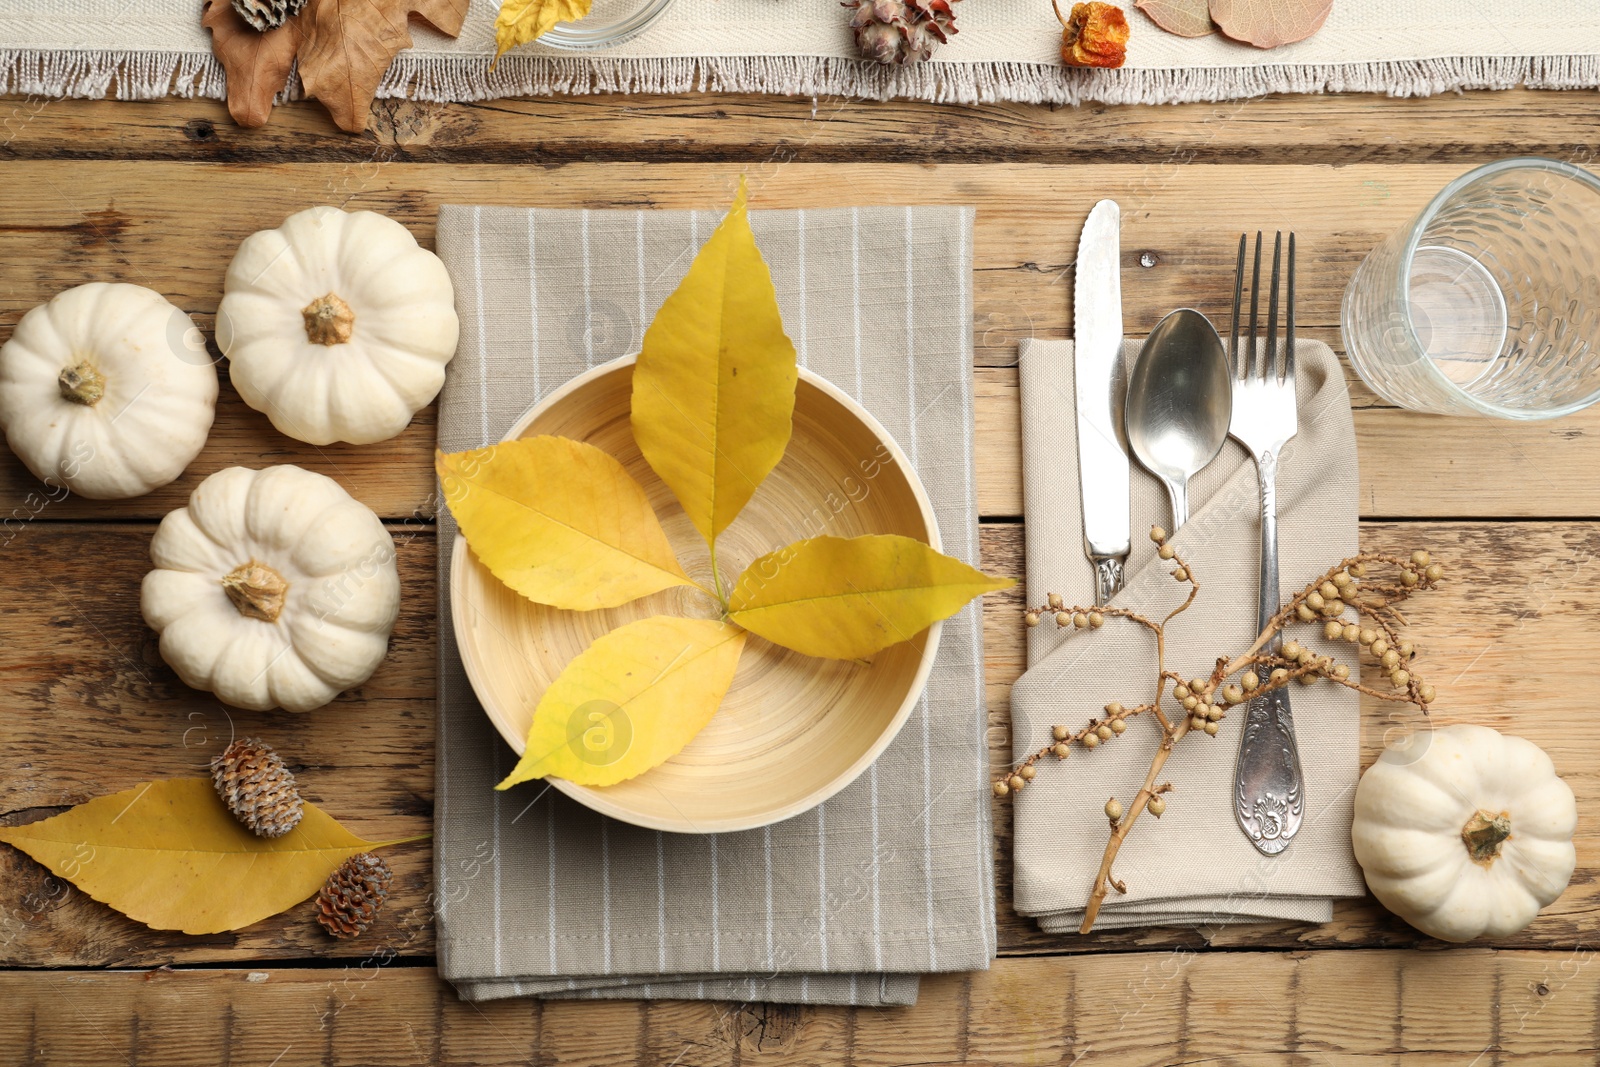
{"x": 1488, "y": 303}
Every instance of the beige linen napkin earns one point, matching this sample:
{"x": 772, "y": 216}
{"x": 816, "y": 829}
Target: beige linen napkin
{"x": 1194, "y": 866}
{"x": 847, "y": 903}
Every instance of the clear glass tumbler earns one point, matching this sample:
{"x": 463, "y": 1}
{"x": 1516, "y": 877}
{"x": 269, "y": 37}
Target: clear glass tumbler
{"x": 1488, "y": 303}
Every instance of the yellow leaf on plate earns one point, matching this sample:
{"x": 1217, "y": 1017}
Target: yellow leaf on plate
{"x": 521, "y": 21}
{"x": 713, "y": 392}
{"x": 630, "y": 701}
{"x": 169, "y": 854}
{"x": 848, "y": 597}
{"x": 560, "y": 522}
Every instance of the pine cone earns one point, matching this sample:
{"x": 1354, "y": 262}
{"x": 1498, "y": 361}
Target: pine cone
{"x": 260, "y": 791}
{"x": 901, "y": 31}
{"x": 349, "y": 900}
{"x": 267, "y": 14}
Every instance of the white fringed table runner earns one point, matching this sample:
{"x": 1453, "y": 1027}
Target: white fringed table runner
{"x": 1006, "y": 50}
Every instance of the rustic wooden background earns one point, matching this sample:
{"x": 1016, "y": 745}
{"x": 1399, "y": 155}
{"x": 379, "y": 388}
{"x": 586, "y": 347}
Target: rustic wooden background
{"x": 161, "y": 193}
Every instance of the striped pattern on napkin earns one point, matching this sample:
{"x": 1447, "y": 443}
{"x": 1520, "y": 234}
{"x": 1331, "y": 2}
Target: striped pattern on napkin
{"x": 850, "y": 902}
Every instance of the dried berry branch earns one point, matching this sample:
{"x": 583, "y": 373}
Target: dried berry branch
{"x": 1343, "y": 589}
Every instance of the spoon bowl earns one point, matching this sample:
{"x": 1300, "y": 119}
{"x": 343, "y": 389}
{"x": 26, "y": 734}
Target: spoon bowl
{"x": 1179, "y": 403}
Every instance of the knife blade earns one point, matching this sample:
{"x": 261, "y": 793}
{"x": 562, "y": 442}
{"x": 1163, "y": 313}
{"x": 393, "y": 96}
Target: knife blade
{"x": 1098, "y": 382}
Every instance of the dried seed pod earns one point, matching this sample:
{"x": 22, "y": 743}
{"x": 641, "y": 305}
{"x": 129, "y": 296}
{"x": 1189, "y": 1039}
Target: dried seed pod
{"x": 253, "y": 782}
{"x": 901, "y": 31}
{"x": 349, "y": 900}
{"x": 265, "y": 15}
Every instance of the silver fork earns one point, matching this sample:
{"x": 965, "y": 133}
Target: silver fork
{"x": 1269, "y": 791}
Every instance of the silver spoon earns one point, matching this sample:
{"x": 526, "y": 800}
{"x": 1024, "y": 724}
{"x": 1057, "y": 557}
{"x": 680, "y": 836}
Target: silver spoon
{"x": 1179, "y": 403}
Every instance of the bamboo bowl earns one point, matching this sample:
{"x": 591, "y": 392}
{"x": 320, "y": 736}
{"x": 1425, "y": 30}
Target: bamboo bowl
{"x": 792, "y": 730}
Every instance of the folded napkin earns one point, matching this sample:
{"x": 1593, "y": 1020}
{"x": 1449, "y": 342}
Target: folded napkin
{"x": 850, "y": 902}
{"x": 1195, "y": 865}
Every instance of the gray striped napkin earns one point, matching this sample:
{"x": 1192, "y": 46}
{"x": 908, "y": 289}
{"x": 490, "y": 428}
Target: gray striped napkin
{"x": 848, "y": 903}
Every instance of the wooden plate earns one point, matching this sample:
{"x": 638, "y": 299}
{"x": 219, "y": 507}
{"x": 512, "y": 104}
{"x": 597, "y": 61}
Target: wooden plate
{"x": 792, "y": 730}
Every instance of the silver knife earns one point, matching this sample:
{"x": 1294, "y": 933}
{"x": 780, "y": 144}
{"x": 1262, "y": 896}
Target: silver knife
{"x": 1098, "y": 381}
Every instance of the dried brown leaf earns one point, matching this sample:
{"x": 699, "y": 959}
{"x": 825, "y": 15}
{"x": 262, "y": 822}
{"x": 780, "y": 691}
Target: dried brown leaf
{"x": 1186, "y": 18}
{"x": 1270, "y": 23}
{"x": 349, "y": 44}
{"x": 257, "y": 64}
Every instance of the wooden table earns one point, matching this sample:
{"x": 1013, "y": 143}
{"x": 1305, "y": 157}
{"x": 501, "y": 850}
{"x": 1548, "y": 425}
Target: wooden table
{"x": 161, "y": 193}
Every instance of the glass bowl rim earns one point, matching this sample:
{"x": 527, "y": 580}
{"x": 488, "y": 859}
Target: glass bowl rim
{"x": 573, "y": 37}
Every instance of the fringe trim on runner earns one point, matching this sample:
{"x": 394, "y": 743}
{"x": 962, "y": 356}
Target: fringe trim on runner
{"x": 146, "y": 75}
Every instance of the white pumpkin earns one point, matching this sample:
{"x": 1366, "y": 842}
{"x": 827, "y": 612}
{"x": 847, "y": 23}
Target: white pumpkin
{"x": 1464, "y": 832}
{"x": 337, "y": 325}
{"x": 273, "y": 588}
{"x": 107, "y": 390}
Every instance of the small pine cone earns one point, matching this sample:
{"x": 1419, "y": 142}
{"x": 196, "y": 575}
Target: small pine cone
{"x": 349, "y": 900}
{"x": 264, "y": 15}
{"x": 260, "y": 791}
{"x": 901, "y": 31}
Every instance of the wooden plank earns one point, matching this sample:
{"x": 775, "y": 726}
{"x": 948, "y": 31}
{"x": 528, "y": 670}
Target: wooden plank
{"x": 92, "y": 709}
{"x": 1398, "y": 480}
{"x": 175, "y": 226}
{"x": 697, "y": 127}
{"x": 1466, "y": 468}
{"x": 137, "y": 222}
{"x": 1538, "y": 469}
{"x": 1250, "y": 1009}
{"x": 394, "y": 477}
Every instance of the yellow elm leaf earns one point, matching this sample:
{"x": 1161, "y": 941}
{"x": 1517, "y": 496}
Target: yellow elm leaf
{"x": 560, "y": 522}
{"x": 713, "y": 391}
{"x": 521, "y": 21}
{"x": 169, "y": 854}
{"x": 848, "y": 597}
{"x": 630, "y": 701}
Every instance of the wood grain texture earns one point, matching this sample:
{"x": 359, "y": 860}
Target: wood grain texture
{"x": 92, "y": 709}
{"x": 703, "y": 127}
{"x": 1248, "y": 1009}
{"x": 1537, "y": 469}
{"x": 174, "y": 227}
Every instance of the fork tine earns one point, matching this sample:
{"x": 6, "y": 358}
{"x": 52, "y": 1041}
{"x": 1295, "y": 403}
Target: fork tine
{"x": 1240, "y": 367}
{"x": 1255, "y": 304}
{"x": 1288, "y": 330}
{"x": 1269, "y": 364}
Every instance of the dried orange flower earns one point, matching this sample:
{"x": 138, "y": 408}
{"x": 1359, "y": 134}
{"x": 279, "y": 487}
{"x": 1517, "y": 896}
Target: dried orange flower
{"x": 1095, "y": 36}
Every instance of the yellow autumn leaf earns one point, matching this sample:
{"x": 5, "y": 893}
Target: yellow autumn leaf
{"x": 169, "y": 854}
{"x": 521, "y": 21}
{"x": 713, "y": 391}
{"x": 848, "y": 597}
{"x": 560, "y": 522}
{"x": 630, "y": 701}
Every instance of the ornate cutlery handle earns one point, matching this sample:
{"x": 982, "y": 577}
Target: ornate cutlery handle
{"x": 1107, "y": 577}
{"x": 1269, "y": 791}
{"x": 1269, "y": 797}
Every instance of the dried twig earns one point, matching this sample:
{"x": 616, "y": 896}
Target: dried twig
{"x": 1266, "y": 665}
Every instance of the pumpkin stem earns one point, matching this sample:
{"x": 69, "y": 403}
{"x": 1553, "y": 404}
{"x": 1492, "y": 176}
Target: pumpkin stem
{"x": 256, "y": 590}
{"x": 1484, "y": 833}
{"x": 82, "y": 384}
{"x": 328, "y": 320}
